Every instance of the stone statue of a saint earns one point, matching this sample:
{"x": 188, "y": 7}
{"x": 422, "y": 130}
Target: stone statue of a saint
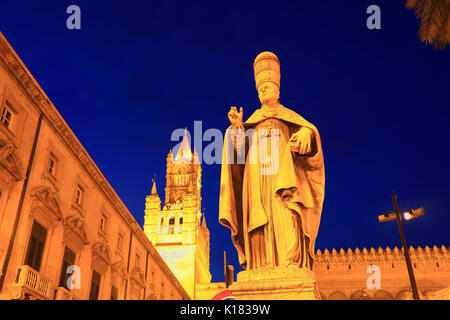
{"x": 273, "y": 208}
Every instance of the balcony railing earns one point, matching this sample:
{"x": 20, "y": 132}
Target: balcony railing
{"x": 35, "y": 283}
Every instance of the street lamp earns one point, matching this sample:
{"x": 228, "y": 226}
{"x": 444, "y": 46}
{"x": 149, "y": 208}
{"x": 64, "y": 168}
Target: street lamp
{"x": 407, "y": 215}
{"x": 411, "y": 214}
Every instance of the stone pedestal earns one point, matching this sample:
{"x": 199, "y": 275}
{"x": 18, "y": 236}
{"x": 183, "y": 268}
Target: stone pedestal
{"x": 275, "y": 283}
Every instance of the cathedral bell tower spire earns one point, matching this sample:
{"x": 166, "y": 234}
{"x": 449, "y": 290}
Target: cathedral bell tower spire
{"x": 177, "y": 230}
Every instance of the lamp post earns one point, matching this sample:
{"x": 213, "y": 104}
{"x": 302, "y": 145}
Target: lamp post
{"x": 408, "y": 215}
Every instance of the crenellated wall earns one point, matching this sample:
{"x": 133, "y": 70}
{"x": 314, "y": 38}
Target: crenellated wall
{"x": 344, "y": 274}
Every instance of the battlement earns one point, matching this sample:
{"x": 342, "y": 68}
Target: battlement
{"x": 424, "y": 259}
{"x": 343, "y": 274}
{"x": 442, "y": 252}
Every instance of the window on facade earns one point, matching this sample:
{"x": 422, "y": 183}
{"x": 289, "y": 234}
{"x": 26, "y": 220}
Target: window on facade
{"x": 95, "y": 285}
{"x": 137, "y": 260}
{"x": 103, "y": 223}
{"x": 51, "y": 165}
{"x": 68, "y": 260}
{"x": 171, "y": 225}
{"x": 161, "y": 223}
{"x": 79, "y": 195}
{"x": 180, "y": 222}
{"x": 6, "y": 115}
{"x": 36, "y": 246}
{"x": 119, "y": 242}
{"x": 114, "y": 293}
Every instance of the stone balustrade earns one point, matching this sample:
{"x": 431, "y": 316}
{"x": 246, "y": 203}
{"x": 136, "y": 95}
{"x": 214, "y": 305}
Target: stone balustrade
{"x": 33, "y": 283}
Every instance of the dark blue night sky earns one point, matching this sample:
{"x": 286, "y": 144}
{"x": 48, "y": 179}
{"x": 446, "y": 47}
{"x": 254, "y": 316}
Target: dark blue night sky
{"x": 137, "y": 70}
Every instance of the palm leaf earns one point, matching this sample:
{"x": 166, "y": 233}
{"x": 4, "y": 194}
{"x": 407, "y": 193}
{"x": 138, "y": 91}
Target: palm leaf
{"x": 434, "y": 15}
{"x": 421, "y": 6}
{"x": 443, "y": 37}
{"x": 411, "y": 4}
{"x": 433, "y": 20}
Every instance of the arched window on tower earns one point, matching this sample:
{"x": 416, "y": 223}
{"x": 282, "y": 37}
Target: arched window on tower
{"x": 171, "y": 225}
{"x": 161, "y": 224}
{"x": 180, "y": 223}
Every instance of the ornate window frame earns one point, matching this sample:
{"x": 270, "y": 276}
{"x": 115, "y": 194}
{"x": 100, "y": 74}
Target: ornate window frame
{"x": 15, "y": 129}
{"x": 75, "y": 235}
{"x": 55, "y": 179}
{"x": 45, "y": 210}
{"x": 101, "y": 256}
{"x": 80, "y": 207}
{"x": 119, "y": 275}
{"x": 169, "y": 218}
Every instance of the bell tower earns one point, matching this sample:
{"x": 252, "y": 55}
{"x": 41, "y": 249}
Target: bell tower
{"x": 178, "y": 230}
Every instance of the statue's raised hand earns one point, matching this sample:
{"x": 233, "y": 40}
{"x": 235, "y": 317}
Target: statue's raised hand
{"x": 236, "y": 118}
{"x": 301, "y": 141}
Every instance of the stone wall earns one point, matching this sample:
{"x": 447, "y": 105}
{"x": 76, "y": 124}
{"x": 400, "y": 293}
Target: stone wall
{"x": 344, "y": 274}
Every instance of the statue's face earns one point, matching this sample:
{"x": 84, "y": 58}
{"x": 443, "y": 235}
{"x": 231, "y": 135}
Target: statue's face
{"x": 268, "y": 93}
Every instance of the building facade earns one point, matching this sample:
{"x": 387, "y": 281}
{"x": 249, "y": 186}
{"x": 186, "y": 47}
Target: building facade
{"x": 178, "y": 230}
{"x": 64, "y": 232}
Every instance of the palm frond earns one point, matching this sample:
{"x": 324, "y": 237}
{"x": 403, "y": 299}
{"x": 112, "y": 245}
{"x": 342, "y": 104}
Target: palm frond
{"x": 443, "y": 37}
{"x": 434, "y": 20}
{"x": 411, "y": 4}
{"x": 423, "y": 7}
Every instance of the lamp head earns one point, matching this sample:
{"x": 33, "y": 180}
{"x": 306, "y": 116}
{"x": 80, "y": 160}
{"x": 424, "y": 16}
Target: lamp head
{"x": 414, "y": 213}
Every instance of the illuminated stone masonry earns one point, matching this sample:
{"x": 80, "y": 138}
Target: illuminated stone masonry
{"x": 68, "y": 208}
{"x": 178, "y": 230}
{"x": 344, "y": 274}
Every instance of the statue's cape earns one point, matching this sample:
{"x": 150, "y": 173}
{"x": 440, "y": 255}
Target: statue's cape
{"x": 304, "y": 175}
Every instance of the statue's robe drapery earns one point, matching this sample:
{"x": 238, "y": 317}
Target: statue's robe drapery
{"x": 267, "y": 228}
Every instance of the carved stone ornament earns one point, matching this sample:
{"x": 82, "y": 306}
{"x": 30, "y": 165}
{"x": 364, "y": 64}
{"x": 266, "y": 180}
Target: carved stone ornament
{"x": 46, "y": 204}
{"x": 137, "y": 277}
{"x": 119, "y": 269}
{"x": 151, "y": 293}
{"x": 10, "y": 161}
{"x": 101, "y": 255}
{"x": 74, "y": 230}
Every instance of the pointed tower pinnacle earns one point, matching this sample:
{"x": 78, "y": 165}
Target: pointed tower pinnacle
{"x": 204, "y": 222}
{"x": 154, "y": 192}
{"x": 196, "y": 159}
{"x": 184, "y": 152}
